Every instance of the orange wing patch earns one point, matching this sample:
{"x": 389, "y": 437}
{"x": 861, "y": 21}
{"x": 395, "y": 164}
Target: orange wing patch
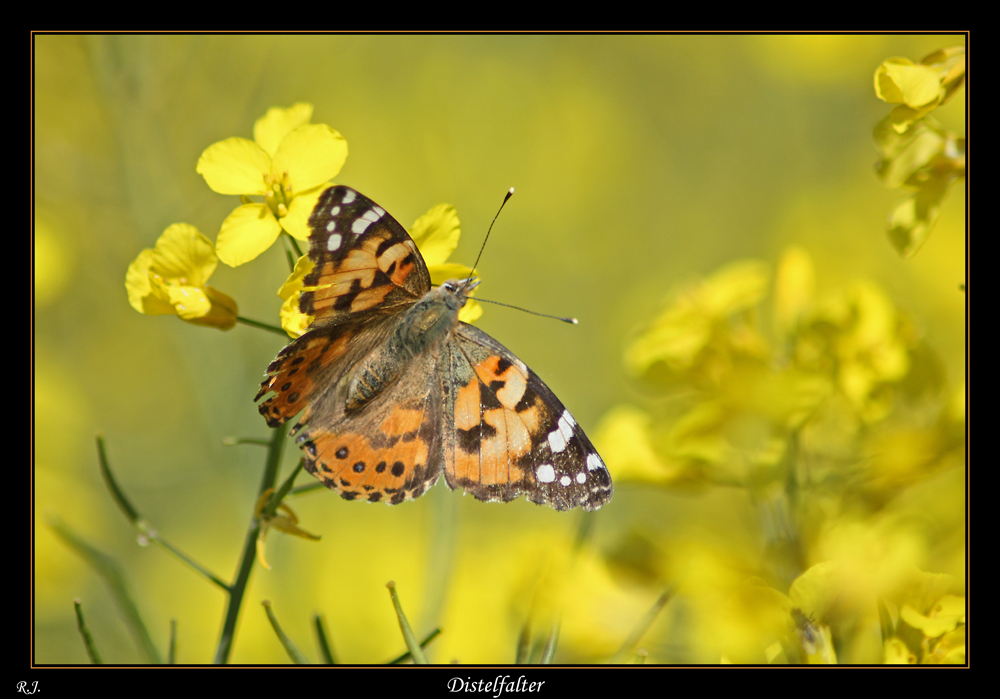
{"x": 398, "y": 262}
{"x": 509, "y": 441}
{"x": 392, "y": 463}
{"x": 495, "y": 416}
{"x": 360, "y": 280}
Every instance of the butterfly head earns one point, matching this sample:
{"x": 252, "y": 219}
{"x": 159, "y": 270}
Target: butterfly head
{"x": 461, "y": 287}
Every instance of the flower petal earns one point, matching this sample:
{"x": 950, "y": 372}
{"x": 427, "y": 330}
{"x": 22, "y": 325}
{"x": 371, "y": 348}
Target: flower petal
{"x": 277, "y": 123}
{"x": 190, "y": 301}
{"x": 436, "y": 233}
{"x": 311, "y": 155}
{"x": 293, "y": 321}
{"x": 144, "y": 295}
{"x": 235, "y": 166}
{"x": 222, "y": 315}
{"x": 470, "y": 311}
{"x": 246, "y": 233}
{"x": 183, "y": 255}
{"x": 296, "y": 221}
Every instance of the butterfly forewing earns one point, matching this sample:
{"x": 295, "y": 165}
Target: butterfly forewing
{"x": 363, "y": 259}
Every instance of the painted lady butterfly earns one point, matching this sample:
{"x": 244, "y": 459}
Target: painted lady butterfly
{"x": 394, "y": 389}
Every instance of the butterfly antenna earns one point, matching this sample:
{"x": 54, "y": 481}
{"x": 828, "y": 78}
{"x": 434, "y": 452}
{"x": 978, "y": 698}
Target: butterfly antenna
{"x": 510, "y": 193}
{"x": 573, "y": 321}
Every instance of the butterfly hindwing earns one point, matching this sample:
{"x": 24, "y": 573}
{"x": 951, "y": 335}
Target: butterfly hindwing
{"x": 300, "y": 373}
{"x": 387, "y": 450}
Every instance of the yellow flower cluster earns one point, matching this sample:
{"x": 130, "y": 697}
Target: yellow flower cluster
{"x": 827, "y": 412}
{"x": 917, "y": 153}
{"x": 279, "y": 176}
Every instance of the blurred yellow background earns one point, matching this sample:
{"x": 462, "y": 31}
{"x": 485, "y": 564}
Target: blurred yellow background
{"x": 641, "y": 163}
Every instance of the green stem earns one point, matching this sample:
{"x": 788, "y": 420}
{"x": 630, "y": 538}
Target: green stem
{"x": 549, "y": 650}
{"x": 172, "y": 650}
{"x": 643, "y": 626}
{"x": 263, "y": 326}
{"x": 239, "y": 586}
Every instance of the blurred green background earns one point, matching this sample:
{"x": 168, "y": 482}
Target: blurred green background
{"x": 640, "y": 163}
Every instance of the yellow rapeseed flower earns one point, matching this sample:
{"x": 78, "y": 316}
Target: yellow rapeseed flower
{"x": 289, "y": 163}
{"x": 172, "y": 278}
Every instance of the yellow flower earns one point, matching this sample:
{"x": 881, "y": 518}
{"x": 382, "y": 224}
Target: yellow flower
{"x": 705, "y": 324}
{"x": 436, "y": 234}
{"x": 931, "y": 621}
{"x": 171, "y": 278}
{"x": 918, "y": 88}
{"x": 287, "y": 523}
{"x": 289, "y": 162}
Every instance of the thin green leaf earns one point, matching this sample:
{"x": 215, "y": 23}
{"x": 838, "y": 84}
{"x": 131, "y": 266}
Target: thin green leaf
{"x": 116, "y": 493}
{"x": 549, "y": 651}
{"x": 643, "y": 626}
{"x": 172, "y": 649}
{"x": 411, "y": 641}
{"x": 272, "y": 504}
{"x": 108, "y": 568}
{"x": 423, "y": 644}
{"x": 325, "y": 648}
{"x": 146, "y": 532}
{"x": 523, "y": 643}
{"x": 233, "y": 441}
{"x": 885, "y": 622}
{"x": 88, "y": 641}
{"x": 290, "y": 648}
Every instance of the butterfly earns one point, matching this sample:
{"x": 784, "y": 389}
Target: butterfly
{"x": 393, "y": 389}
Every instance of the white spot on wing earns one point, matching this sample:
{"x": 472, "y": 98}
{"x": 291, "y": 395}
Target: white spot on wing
{"x": 556, "y": 441}
{"x": 560, "y": 436}
{"x": 545, "y": 473}
{"x": 348, "y": 196}
{"x": 581, "y": 477}
{"x": 594, "y": 462}
{"x": 565, "y": 480}
{"x": 333, "y": 242}
{"x": 366, "y": 219}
